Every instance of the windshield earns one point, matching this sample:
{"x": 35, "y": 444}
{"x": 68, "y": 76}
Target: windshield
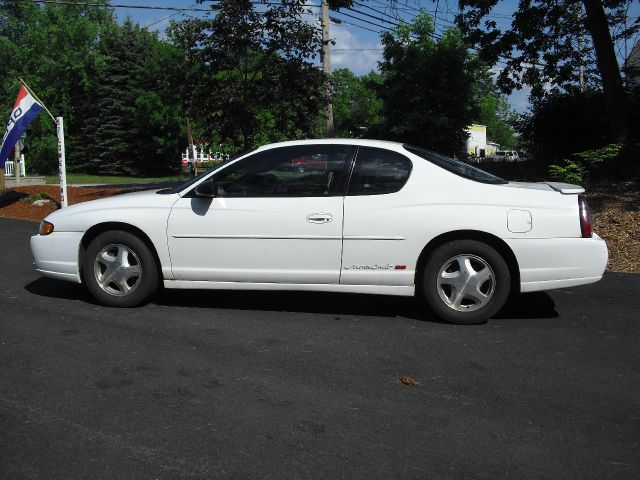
{"x": 182, "y": 186}
{"x": 455, "y": 166}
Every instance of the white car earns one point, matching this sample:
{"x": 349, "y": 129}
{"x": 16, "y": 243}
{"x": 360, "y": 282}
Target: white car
{"x": 377, "y": 218}
{"x": 508, "y": 155}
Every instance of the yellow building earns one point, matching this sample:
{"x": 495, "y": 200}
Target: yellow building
{"x": 477, "y": 144}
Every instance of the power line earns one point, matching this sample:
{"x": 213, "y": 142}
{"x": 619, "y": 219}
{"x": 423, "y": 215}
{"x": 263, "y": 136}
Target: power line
{"x": 168, "y": 17}
{"x": 377, "y": 11}
{"x": 112, "y": 5}
{"x": 363, "y": 20}
{"x": 192, "y": 9}
{"x": 341, "y": 23}
{"x": 380, "y": 19}
{"x": 435, "y": 18}
{"x": 386, "y": 5}
{"x": 356, "y": 49}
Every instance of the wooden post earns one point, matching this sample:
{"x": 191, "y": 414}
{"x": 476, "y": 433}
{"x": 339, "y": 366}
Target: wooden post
{"x": 326, "y": 65}
{"x": 3, "y": 186}
{"x": 16, "y": 163}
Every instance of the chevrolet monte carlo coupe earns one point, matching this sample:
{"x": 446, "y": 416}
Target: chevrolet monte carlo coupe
{"x": 366, "y": 216}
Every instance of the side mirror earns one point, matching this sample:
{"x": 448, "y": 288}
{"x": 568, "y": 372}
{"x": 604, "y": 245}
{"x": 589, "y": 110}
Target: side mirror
{"x": 206, "y": 190}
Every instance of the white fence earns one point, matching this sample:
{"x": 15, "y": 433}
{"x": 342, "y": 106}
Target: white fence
{"x": 202, "y": 156}
{"x": 9, "y": 168}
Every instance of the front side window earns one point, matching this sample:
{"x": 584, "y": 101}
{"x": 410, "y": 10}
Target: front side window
{"x": 378, "y": 171}
{"x": 304, "y": 171}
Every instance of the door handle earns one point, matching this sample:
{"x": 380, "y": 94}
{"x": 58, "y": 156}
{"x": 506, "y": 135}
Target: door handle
{"x": 319, "y": 218}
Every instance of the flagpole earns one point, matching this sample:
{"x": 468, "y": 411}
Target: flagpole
{"x": 62, "y": 167}
{"x": 38, "y": 99}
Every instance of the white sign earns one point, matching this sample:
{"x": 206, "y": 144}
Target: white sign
{"x": 61, "y": 162}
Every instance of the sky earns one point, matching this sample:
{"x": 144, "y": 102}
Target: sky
{"x": 357, "y": 40}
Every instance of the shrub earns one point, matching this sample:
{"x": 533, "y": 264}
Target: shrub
{"x": 570, "y": 172}
{"x": 36, "y": 196}
{"x": 583, "y": 165}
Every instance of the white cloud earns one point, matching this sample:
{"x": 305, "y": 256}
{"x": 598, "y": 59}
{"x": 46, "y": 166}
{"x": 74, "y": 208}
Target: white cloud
{"x": 353, "y": 52}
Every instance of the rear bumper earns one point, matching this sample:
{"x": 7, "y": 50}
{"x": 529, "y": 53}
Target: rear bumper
{"x": 56, "y": 255}
{"x": 551, "y": 263}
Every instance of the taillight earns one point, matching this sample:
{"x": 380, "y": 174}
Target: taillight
{"x": 585, "y": 218}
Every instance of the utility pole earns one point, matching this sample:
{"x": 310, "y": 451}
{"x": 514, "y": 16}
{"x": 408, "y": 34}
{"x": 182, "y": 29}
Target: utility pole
{"x": 580, "y": 48}
{"x": 191, "y": 147}
{"x": 326, "y": 66}
{"x": 189, "y": 133}
{"x": 16, "y": 162}
{"x": 185, "y": 34}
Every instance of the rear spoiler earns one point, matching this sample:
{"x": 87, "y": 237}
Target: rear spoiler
{"x": 566, "y": 188}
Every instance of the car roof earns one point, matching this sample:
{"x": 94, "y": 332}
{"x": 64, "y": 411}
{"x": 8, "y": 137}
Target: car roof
{"x": 336, "y": 141}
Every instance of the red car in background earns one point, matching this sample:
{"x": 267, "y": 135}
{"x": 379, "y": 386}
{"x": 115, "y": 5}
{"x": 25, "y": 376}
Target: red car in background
{"x": 316, "y": 162}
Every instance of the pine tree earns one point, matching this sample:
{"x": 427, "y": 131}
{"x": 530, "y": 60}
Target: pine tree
{"x": 135, "y": 129}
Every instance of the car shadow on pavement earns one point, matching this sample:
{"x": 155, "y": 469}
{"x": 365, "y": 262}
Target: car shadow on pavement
{"x": 524, "y": 306}
{"x": 49, "y": 287}
{"x": 529, "y": 305}
{"x": 302, "y": 302}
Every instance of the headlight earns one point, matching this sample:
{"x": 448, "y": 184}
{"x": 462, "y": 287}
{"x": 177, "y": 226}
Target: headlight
{"x": 46, "y": 228}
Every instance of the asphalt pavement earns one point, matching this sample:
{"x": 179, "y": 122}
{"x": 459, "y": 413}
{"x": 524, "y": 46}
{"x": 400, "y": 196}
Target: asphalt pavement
{"x": 218, "y": 384}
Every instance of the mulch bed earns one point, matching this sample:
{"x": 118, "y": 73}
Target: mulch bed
{"x": 615, "y": 215}
{"x": 615, "y": 210}
{"x": 13, "y": 203}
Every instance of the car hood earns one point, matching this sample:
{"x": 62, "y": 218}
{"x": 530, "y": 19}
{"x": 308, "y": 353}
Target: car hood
{"x": 134, "y": 200}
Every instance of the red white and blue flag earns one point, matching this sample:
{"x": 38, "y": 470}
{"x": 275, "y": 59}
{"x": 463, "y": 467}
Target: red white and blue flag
{"x": 24, "y": 111}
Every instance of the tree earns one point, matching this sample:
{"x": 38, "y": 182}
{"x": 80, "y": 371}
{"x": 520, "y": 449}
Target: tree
{"x": 54, "y": 49}
{"x": 138, "y": 128}
{"x": 356, "y": 105}
{"x": 251, "y": 78}
{"x": 561, "y": 124}
{"x": 546, "y": 48}
{"x": 494, "y": 111}
{"x": 107, "y": 81}
{"x": 427, "y": 87}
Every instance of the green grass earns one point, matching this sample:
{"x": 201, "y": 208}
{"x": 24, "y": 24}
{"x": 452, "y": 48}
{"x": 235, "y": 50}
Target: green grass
{"x": 82, "y": 178}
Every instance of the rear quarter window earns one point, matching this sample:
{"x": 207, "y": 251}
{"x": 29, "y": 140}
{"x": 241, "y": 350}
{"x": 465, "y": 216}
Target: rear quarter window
{"x": 455, "y": 166}
{"x": 378, "y": 171}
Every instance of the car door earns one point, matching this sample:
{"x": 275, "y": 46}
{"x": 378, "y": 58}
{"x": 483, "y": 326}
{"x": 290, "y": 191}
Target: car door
{"x": 269, "y": 221}
{"x": 376, "y": 222}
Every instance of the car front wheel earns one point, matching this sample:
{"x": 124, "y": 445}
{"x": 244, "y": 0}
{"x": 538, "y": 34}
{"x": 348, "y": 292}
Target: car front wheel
{"x": 119, "y": 269}
{"x": 465, "y": 282}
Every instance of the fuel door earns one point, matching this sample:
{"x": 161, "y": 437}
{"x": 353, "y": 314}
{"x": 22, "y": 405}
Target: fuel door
{"x": 519, "y": 221}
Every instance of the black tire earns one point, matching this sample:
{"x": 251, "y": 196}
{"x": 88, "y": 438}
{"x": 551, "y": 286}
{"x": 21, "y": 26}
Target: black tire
{"x": 128, "y": 289}
{"x": 480, "y": 299}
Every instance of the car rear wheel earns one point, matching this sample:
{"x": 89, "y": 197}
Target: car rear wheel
{"x": 119, "y": 269}
{"x": 465, "y": 282}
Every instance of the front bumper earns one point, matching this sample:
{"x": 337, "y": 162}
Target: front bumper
{"x": 551, "y": 263}
{"x": 57, "y": 255}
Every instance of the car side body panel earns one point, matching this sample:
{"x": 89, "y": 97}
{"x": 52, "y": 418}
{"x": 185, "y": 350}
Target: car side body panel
{"x": 281, "y": 240}
{"x": 146, "y": 211}
{"x": 382, "y": 236}
{"x": 397, "y": 226}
